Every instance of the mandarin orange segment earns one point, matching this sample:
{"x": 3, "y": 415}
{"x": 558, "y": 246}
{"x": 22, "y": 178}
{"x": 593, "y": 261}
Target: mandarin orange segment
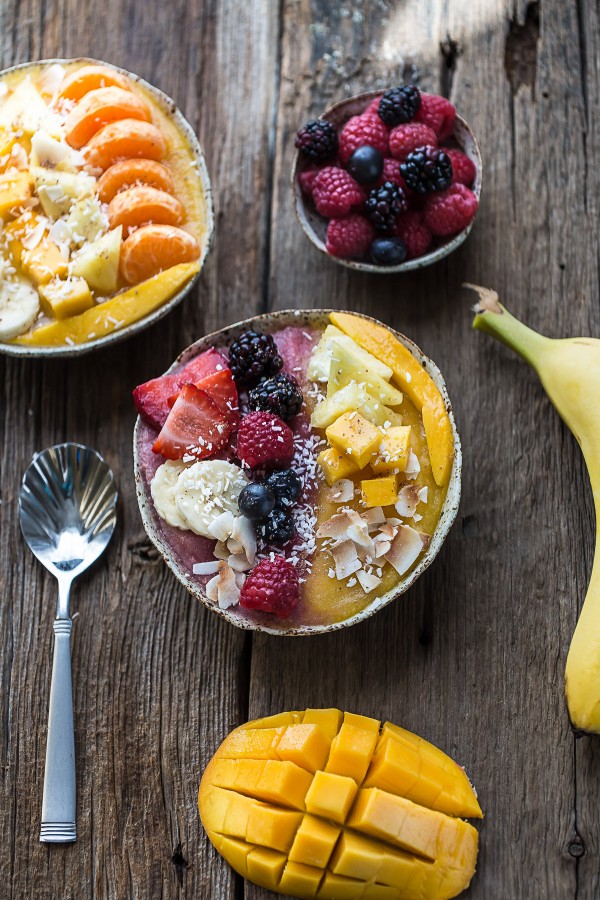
{"x": 342, "y": 839}
{"x": 89, "y": 78}
{"x": 153, "y": 248}
{"x": 99, "y": 108}
{"x": 132, "y": 172}
{"x": 144, "y": 205}
{"x": 125, "y": 139}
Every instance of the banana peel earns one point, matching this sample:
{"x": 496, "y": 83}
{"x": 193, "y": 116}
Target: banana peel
{"x": 569, "y": 370}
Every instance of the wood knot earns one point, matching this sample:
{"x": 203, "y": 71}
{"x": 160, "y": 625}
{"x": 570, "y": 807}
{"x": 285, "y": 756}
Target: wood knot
{"x": 577, "y": 848}
{"x": 520, "y": 50}
{"x": 180, "y": 863}
{"x": 143, "y": 551}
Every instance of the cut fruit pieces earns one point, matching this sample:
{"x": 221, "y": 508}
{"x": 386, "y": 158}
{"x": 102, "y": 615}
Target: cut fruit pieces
{"x": 320, "y": 360}
{"x": 65, "y": 298}
{"x": 392, "y": 455}
{"x": 414, "y": 380}
{"x": 349, "y": 398}
{"x": 195, "y": 428}
{"x": 89, "y": 78}
{"x": 379, "y": 491}
{"x": 354, "y": 435}
{"x": 15, "y": 190}
{"x": 336, "y": 465}
{"x": 154, "y": 247}
{"x": 346, "y": 367}
{"x": 141, "y": 205}
{"x": 57, "y": 190}
{"x": 125, "y": 139}
{"x": 100, "y": 107}
{"x": 131, "y": 172}
{"x": 98, "y": 262}
{"x": 332, "y": 832}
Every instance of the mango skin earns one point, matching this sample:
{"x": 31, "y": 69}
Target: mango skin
{"x": 326, "y": 804}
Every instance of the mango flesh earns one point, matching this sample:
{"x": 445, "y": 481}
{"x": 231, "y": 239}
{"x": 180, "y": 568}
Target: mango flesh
{"x": 324, "y": 804}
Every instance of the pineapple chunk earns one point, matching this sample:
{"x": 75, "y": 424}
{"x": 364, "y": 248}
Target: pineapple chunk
{"x": 43, "y": 262}
{"x": 346, "y": 367}
{"x": 86, "y": 221}
{"x": 393, "y": 451}
{"x": 320, "y": 360}
{"x": 98, "y": 263}
{"x": 379, "y": 491}
{"x": 58, "y": 190}
{"x": 65, "y": 298}
{"x": 15, "y": 190}
{"x": 23, "y": 109}
{"x": 349, "y": 398}
{"x": 336, "y": 465}
{"x": 354, "y": 435}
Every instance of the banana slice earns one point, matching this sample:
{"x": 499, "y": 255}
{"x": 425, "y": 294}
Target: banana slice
{"x": 207, "y": 489}
{"x": 19, "y": 306}
{"x": 162, "y": 489}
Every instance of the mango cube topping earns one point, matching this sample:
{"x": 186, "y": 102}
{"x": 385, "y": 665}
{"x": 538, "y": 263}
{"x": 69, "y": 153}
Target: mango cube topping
{"x": 336, "y": 465}
{"x": 379, "y": 491}
{"x": 353, "y": 435}
{"x": 392, "y": 456}
{"x": 65, "y": 298}
{"x": 336, "y": 805}
{"x": 15, "y": 190}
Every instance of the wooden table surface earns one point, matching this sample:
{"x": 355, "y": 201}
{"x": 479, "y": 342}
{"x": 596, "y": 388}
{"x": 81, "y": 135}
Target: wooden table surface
{"x": 473, "y": 656}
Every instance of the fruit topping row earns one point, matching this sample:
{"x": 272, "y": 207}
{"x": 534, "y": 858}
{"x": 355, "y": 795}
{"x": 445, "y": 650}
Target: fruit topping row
{"x": 391, "y": 182}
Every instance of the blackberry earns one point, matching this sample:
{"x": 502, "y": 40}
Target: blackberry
{"x": 279, "y": 395}
{"x": 286, "y": 486}
{"x": 399, "y": 105}
{"x": 384, "y": 205}
{"x": 254, "y": 356}
{"x": 256, "y": 501}
{"x": 427, "y": 169}
{"x": 277, "y": 528}
{"x": 317, "y": 140}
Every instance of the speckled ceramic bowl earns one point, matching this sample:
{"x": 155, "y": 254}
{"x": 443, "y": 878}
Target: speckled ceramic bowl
{"x": 169, "y": 107}
{"x": 272, "y": 322}
{"x": 315, "y": 225}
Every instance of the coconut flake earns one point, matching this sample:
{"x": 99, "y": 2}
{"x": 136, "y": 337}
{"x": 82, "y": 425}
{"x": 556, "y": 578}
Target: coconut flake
{"x": 413, "y": 466}
{"x": 221, "y": 527}
{"x": 408, "y": 500}
{"x": 406, "y": 547}
{"x": 374, "y": 516}
{"x": 221, "y": 551}
{"x": 243, "y": 533}
{"x": 206, "y": 568}
{"x": 423, "y": 494}
{"x": 228, "y": 593}
{"x": 34, "y": 235}
{"x": 211, "y": 589}
{"x": 239, "y": 562}
{"x": 368, "y": 581}
{"x": 336, "y": 527}
{"x": 341, "y": 491}
{"x": 346, "y": 560}
{"x": 382, "y": 545}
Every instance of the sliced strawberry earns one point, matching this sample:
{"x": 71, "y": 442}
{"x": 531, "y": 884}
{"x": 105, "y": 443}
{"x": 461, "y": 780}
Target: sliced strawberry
{"x": 152, "y": 398}
{"x": 221, "y": 388}
{"x": 195, "y": 427}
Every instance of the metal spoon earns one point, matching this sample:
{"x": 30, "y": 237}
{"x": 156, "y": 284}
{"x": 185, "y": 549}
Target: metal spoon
{"x": 67, "y": 511}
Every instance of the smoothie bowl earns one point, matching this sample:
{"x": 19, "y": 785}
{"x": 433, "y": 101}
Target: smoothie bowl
{"x": 105, "y": 206}
{"x": 299, "y": 470}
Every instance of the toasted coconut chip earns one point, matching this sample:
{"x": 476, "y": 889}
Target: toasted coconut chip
{"x": 368, "y": 581}
{"x": 417, "y": 517}
{"x": 423, "y": 494}
{"x": 221, "y": 551}
{"x": 244, "y": 534}
{"x": 382, "y": 545}
{"x": 336, "y": 527}
{"x": 426, "y": 539}
{"x": 34, "y": 236}
{"x": 408, "y": 500}
{"x": 413, "y": 466}
{"x": 388, "y": 529}
{"x": 374, "y": 516}
{"x": 234, "y": 546}
{"x": 221, "y": 527}
{"x": 359, "y": 534}
{"x": 239, "y": 562}
{"x": 228, "y": 593}
{"x": 341, "y": 491}
{"x": 211, "y": 588}
{"x": 406, "y": 547}
{"x": 346, "y": 560}
{"x": 206, "y": 568}
{"x": 240, "y": 578}
{"x": 366, "y": 553}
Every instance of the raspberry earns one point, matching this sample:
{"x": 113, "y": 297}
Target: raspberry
{"x": 412, "y": 230}
{"x": 335, "y": 192}
{"x": 391, "y": 172}
{"x": 272, "y": 586}
{"x": 253, "y": 356}
{"x": 373, "y": 107}
{"x": 406, "y": 138}
{"x": 317, "y": 140}
{"x": 349, "y": 238}
{"x": 399, "y": 104}
{"x": 279, "y": 395}
{"x": 361, "y": 130}
{"x": 463, "y": 168}
{"x": 449, "y": 211}
{"x": 306, "y": 179}
{"x": 438, "y": 113}
{"x": 264, "y": 439}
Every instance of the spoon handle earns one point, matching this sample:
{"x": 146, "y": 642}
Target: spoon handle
{"x": 58, "y": 805}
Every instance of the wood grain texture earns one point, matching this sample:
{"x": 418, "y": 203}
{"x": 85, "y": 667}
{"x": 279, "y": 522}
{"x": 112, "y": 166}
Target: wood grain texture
{"x": 473, "y": 656}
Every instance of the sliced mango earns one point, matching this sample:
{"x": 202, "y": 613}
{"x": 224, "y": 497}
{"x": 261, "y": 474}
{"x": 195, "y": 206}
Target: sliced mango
{"x": 414, "y": 381}
{"x": 116, "y": 313}
{"x": 379, "y": 818}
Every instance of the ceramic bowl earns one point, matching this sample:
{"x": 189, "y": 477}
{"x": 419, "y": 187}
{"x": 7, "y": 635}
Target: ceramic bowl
{"x": 272, "y": 322}
{"x": 315, "y": 225}
{"x": 170, "y": 109}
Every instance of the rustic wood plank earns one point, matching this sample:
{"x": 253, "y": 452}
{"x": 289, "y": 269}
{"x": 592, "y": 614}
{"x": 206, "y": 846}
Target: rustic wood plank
{"x": 473, "y": 657}
{"x": 158, "y": 681}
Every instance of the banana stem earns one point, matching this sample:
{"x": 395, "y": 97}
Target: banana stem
{"x": 493, "y": 319}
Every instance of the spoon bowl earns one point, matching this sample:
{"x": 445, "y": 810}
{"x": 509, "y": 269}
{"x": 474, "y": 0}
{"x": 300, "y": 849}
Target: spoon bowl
{"x": 67, "y": 513}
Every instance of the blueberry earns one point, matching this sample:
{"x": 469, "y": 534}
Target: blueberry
{"x": 366, "y": 165}
{"x": 285, "y": 485}
{"x": 277, "y": 528}
{"x": 256, "y": 501}
{"x": 388, "y": 251}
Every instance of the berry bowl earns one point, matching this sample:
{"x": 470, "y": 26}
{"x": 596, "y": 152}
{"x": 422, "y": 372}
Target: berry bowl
{"x": 391, "y": 198}
{"x": 299, "y": 470}
{"x": 106, "y": 214}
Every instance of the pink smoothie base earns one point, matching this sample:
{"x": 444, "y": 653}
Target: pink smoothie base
{"x": 295, "y": 346}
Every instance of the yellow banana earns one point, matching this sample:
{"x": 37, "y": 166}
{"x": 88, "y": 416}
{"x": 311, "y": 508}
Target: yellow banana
{"x": 569, "y": 370}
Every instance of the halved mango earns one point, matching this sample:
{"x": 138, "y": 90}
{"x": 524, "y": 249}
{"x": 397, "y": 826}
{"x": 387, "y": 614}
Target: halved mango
{"x": 378, "y": 819}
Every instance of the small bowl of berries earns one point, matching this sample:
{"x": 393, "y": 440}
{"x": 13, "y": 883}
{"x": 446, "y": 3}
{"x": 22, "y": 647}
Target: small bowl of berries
{"x": 387, "y": 181}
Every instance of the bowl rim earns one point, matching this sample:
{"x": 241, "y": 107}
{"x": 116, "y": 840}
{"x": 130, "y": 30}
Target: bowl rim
{"x": 271, "y": 322}
{"x": 171, "y": 109}
{"x": 409, "y": 265}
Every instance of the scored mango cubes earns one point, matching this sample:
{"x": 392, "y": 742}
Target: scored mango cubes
{"x": 331, "y": 805}
{"x": 353, "y": 435}
{"x": 379, "y": 491}
{"x": 392, "y": 455}
{"x": 336, "y": 465}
